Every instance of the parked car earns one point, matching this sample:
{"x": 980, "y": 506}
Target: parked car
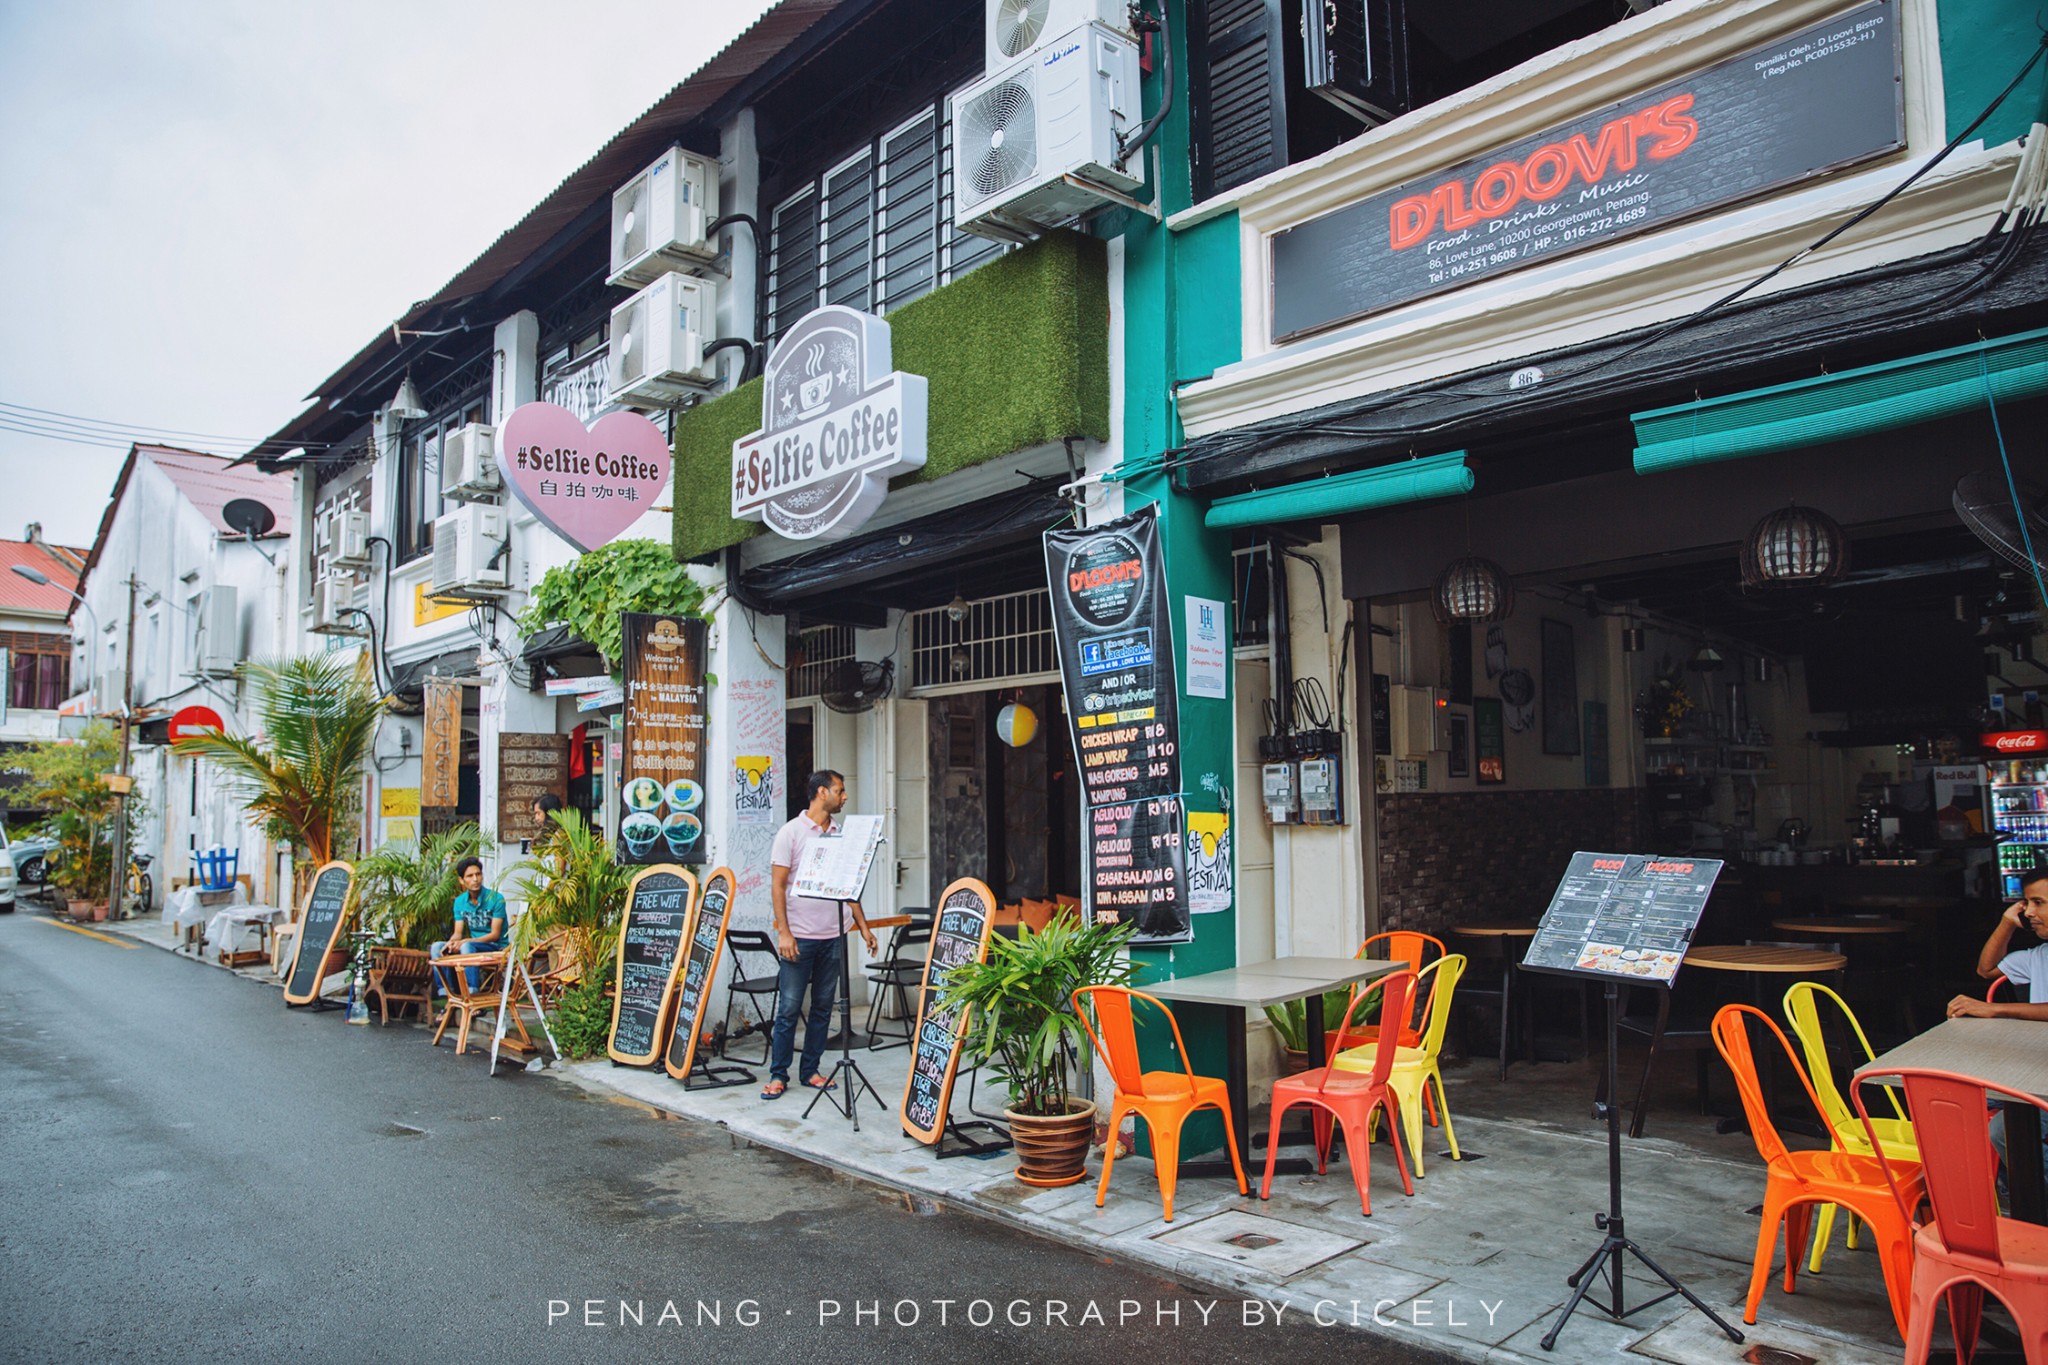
{"x": 6, "y": 875}
{"x": 32, "y": 859}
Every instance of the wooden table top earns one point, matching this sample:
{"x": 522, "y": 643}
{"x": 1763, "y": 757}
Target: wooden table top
{"x": 2012, "y": 1052}
{"x": 1744, "y": 957}
{"x": 1858, "y": 924}
{"x": 1269, "y": 983}
{"x": 1498, "y": 928}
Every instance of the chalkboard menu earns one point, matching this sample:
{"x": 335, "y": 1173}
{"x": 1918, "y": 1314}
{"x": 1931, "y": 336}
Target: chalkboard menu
{"x": 651, "y": 941}
{"x": 700, "y": 967}
{"x": 1623, "y": 915}
{"x": 321, "y": 921}
{"x": 959, "y": 934}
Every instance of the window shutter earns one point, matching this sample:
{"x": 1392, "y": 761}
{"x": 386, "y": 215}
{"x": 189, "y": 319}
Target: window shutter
{"x": 846, "y": 232}
{"x": 1240, "y": 104}
{"x": 792, "y": 263}
{"x": 907, "y": 205}
{"x": 1354, "y": 54}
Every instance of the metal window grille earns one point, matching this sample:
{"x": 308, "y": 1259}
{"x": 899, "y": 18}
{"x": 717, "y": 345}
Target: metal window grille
{"x": 846, "y": 233}
{"x": 1005, "y": 639}
{"x": 813, "y": 653}
{"x": 906, "y": 207}
{"x": 792, "y": 261}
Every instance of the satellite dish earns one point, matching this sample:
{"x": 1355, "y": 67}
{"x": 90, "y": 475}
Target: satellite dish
{"x": 1984, "y": 502}
{"x": 248, "y": 517}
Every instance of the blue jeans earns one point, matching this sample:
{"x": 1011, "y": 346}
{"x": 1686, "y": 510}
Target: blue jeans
{"x": 816, "y": 969}
{"x": 473, "y": 975}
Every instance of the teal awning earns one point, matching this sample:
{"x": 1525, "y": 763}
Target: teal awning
{"x": 1437, "y": 476}
{"x": 1837, "y": 407}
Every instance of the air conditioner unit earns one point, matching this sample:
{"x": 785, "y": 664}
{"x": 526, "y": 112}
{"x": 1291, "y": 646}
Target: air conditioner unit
{"x": 469, "y": 551}
{"x": 220, "y": 631}
{"x": 349, "y": 539}
{"x": 469, "y": 463}
{"x": 1018, "y": 28}
{"x": 659, "y": 217}
{"x": 1022, "y": 132}
{"x": 334, "y": 607}
{"x": 323, "y": 532}
{"x": 657, "y": 345}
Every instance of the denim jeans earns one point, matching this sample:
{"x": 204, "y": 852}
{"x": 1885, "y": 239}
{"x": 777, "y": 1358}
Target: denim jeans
{"x": 474, "y": 976}
{"x": 1998, "y": 1145}
{"x": 817, "y": 969}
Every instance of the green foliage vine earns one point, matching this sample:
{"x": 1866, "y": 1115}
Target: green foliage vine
{"x": 588, "y": 594}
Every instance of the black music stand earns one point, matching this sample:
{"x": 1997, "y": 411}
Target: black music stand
{"x": 845, "y": 1074}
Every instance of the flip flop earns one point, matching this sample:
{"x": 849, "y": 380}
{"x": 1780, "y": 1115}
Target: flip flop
{"x": 773, "y": 1090}
{"x": 821, "y": 1083}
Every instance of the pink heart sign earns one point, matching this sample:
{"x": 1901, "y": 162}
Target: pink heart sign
{"x": 587, "y": 486}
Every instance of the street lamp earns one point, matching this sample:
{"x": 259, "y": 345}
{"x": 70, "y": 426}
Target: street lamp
{"x": 42, "y": 579}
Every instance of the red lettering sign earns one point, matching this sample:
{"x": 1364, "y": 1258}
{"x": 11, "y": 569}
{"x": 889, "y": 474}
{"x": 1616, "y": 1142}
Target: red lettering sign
{"x": 2016, "y": 741}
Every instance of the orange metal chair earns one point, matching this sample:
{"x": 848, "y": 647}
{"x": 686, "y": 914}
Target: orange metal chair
{"x": 1966, "y": 1249}
{"x": 1991, "y": 991}
{"x": 1350, "y": 1098}
{"x": 1164, "y": 1099}
{"x": 1796, "y": 1181}
{"x": 1413, "y": 950}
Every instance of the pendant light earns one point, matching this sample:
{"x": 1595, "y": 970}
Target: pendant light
{"x": 1794, "y": 546}
{"x": 406, "y": 404}
{"x": 1472, "y": 589}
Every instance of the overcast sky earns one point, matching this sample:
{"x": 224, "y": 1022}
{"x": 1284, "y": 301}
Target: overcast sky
{"x": 210, "y": 205}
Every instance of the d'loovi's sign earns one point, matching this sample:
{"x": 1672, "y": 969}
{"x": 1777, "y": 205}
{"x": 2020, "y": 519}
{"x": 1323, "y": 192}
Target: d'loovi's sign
{"x": 836, "y": 423}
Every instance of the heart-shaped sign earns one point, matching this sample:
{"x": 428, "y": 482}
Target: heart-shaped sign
{"x": 585, "y": 485}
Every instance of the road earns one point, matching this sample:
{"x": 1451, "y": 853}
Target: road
{"x": 193, "y": 1172}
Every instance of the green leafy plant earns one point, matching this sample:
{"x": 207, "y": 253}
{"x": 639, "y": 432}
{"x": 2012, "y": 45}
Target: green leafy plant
{"x": 1021, "y": 998}
{"x": 582, "y": 1018}
{"x": 406, "y": 890}
{"x": 588, "y": 594}
{"x": 573, "y": 883}
{"x": 304, "y": 777}
{"x": 1289, "y": 1018}
{"x": 64, "y": 775}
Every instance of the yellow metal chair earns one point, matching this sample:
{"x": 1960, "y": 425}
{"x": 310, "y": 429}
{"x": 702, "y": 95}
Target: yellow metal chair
{"x": 1415, "y": 1071}
{"x": 1803, "y": 1012}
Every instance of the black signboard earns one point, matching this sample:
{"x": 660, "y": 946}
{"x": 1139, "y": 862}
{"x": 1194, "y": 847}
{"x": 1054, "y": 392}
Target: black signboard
{"x": 700, "y": 967}
{"x": 1138, "y": 867}
{"x": 1821, "y": 98}
{"x": 320, "y": 925}
{"x": 661, "y": 769}
{"x": 1625, "y": 915}
{"x": 959, "y": 934}
{"x": 1112, "y": 620}
{"x": 650, "y": 950}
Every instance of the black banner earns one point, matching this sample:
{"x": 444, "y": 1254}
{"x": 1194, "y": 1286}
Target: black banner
{"x": 1138, "y": 866}
{"x": 661, "y": 772}
{"x": 1821, "y": 98}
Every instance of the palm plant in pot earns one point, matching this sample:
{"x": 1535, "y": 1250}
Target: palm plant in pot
{"x": 575, "y": 885}
{"x": 1019, "y": 1004}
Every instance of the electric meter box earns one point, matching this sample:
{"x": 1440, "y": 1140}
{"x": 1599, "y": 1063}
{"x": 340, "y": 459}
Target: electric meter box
{"x": 1278, "y": 784}
{"x": 1322, "y": 791}
{"x": 1421, "y": 721}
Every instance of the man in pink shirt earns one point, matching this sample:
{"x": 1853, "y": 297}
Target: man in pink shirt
{"x": 809, "y": 938}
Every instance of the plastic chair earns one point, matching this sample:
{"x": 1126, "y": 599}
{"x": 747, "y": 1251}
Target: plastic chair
{"x": 1350, "y": 1098}
{"x": 215, "y": 868}
{"x": 1967, "y": 1249}
{"x": 1895, "y": 1134}
{"x": 1416, "y": 1078}
{"x": 1164, "y": 1099}
{"x": 1867, "y": 1186}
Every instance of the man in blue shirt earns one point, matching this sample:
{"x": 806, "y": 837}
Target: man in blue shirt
{"x": 480, "y": 921}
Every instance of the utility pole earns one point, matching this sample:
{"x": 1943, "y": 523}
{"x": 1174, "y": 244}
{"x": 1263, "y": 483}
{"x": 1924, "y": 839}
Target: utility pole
{"x": 120, "y": 875}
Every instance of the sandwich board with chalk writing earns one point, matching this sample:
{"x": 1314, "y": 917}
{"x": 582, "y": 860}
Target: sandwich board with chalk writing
{"x": 658, "y": 907}
{"x": 960, "y": 930}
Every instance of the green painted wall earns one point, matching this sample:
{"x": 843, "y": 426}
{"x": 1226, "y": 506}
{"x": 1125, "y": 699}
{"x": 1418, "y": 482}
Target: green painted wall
{"x": 1983, "y": 45}
{"x": 1017, "y": 355}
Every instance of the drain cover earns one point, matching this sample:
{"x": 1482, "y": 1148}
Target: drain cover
{"x": 1252, "y": 1241}
{"x": 1772, "y": 1355}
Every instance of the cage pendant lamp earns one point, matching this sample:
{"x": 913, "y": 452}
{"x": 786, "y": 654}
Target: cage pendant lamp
{"x": 1794, "y": 546}
{"x": 1472, "y": 589}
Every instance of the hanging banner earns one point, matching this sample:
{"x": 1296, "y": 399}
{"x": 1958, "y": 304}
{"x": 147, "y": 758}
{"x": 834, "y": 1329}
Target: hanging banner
{"x": 441, "y": 756}
{"x": 530, "y": 766}
{"x": 1138, "y": 868}
{"x": 662, "y": 773}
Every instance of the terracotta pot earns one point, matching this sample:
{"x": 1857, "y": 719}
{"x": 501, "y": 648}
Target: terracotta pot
{"x": 99, "y": 912}
{"x": 1293, "y": 1061}
{"x": 80, "y": 910}
{"x": 1052, "y": 1149}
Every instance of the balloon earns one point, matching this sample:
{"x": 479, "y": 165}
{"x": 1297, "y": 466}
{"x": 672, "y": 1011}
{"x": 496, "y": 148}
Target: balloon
{"x": 1016, "y": 724}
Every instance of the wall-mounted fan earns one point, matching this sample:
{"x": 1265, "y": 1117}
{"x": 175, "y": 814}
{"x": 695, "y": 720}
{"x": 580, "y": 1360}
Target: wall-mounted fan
{"x": 1984, "y": 502}
{"x": 855, "y": 685}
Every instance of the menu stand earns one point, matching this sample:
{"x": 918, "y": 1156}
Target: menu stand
{"x": 846, "y": 1072}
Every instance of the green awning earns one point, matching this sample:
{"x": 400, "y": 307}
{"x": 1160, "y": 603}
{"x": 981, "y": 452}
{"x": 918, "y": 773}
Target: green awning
{"x": 1838, "y": 407}
{"x": 1437, "y": 476}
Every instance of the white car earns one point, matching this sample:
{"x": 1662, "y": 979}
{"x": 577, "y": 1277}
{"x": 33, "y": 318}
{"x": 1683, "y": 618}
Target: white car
{"x": 6, "y": 875}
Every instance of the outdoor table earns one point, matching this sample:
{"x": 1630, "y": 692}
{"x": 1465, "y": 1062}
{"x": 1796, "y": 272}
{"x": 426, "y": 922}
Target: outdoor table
{"x": 233, "y": 923}
{"x": 1238, "y": 989}
{"x": 1505, "y": 932}
{"x": 1764, "y": 963}
{"x": 1832, "y": 927}
{"x": 188, "y": 908}
{"x": 2010, "y": 1052}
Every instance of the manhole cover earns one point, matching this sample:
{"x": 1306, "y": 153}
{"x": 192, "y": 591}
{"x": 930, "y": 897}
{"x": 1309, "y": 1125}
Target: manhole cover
{"x": 1253, "y": 1241}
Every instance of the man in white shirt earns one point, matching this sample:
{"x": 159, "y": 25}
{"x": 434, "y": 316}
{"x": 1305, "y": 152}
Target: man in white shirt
{"x": 2026, "y": 969}
{"x": 809, "y": 939}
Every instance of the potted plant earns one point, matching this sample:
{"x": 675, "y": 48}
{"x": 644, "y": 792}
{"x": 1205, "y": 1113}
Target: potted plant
{"x": 407, "y": 890}
{"x": 65, "y": 776}
{"x": 572, "y": 883}
{"x": 1022, "y": 1021}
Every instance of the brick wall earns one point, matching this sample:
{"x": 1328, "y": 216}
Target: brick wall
{"x": 1447, "y": 859}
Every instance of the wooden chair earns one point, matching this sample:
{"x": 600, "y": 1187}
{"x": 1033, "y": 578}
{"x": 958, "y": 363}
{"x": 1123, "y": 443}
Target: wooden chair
{"x": 399, "y": 976}
{"x": 553, "y": 967}
{"x": 469, "y": 1003}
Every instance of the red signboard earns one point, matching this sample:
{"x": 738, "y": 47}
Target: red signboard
{"x": 2017, "y": 742}
{"x": 196, "y": 720}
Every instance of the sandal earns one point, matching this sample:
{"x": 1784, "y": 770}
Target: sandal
{"x": 773, "y": 1090}
{"x": 821, "y": 1082}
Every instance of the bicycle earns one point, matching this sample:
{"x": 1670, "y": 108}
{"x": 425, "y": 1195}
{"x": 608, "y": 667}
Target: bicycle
{"x": 141, "y": 889}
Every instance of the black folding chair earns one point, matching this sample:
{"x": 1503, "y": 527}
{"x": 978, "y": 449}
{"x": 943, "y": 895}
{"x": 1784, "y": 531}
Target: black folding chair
{"x": 751, "y": 985}
{"x": 893, "y": 974}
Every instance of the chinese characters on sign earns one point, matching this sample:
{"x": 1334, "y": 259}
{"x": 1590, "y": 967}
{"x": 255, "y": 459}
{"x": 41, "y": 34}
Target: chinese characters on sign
{"x": 587, "y": 486}
{"x": 662, "y": 772}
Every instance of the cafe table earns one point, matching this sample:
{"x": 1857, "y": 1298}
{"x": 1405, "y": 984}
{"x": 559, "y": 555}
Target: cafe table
{"x": 1837, "y": 926}
{"x": 1765, "y": 965}
{"x": 1510, "y": 936}
{"x": 2010, "y": 1052}
{"x": 1239, "y": 989}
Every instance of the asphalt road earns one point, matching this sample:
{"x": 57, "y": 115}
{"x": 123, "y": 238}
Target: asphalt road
{"x": 190, "y": 1171}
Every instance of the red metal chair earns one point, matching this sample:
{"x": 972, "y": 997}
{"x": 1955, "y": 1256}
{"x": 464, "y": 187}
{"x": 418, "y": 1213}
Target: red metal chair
{"x": 1966, "y": 1249}
{"x": 1350, "y": 1098}
{"x": 1866, "y": 1186}
{"x": 1991, "y": 991}
{"x": 1414, "y": 951}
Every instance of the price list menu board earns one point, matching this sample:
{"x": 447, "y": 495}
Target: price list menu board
{"x": 700, "y": 965}
{"x": 1624, "y": 915}
{"x": 650, "y": 950}
{"x": 959, "y": 934}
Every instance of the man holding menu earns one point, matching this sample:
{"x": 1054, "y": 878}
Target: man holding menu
{"x": 809, "y": 939}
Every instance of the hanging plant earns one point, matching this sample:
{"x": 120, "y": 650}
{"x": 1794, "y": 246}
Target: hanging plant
{"x": 1663, "y": 707}
{"x": 588, "y": 594}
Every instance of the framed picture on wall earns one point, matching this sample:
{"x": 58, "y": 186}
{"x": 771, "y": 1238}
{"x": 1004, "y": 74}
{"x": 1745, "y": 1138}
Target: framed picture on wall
{"x": 1460, "y": 764}
{"x": 1490, "y": 739}
{"x": 1560, "y": 689}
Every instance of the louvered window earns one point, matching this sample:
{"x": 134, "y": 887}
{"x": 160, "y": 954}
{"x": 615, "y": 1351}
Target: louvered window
{"x": 1240, "y": 114}
{"x": 847, "y": 229}
{"x": 907, "y": 212}
{"x": 793, "y": 261}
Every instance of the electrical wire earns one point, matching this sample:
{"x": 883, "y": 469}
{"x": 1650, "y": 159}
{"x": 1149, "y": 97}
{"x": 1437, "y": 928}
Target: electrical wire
{"x": 2020, "y": 510}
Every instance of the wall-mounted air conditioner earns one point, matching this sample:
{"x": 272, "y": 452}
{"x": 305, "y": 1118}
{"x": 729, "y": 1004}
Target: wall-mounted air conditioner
{"x": 659, "y": 217}
{"x": 657, "y": 343}
{"x": 220, "y": 631}
{"x": 1018, "y": 28}
{"x": 348, "y": 538}
{"x": 334, "y": 607}
{"x": 469, "y": 463}
{"x": 470, "y": 554}
{"x": 1025, "y": 135}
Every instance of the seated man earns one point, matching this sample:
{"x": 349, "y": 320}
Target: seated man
{"x": 2026, "y": 969}
{"x": 480, "y": 921}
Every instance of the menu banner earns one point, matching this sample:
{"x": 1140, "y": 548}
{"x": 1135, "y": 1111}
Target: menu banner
{"x": 1625, "y": 915}
{"x": 441, "y": 761}
{"x": 1138, "y": 868}
{"x": 661, "y": 775}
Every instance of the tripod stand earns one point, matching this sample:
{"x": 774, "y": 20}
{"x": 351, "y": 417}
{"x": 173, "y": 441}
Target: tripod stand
{"x": 1616, "y": 1242}
{"x": 845, "y": 1072}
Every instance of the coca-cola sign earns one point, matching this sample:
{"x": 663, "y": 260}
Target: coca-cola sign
{"x": 2017, "y": 742}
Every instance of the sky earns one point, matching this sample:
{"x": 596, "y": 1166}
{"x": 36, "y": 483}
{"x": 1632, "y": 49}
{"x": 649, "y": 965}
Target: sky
{"x": 211, "y": 205}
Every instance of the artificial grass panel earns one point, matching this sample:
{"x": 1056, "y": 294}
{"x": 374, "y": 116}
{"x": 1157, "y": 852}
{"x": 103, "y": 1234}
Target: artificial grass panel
{"x": 1016, "y": 355}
